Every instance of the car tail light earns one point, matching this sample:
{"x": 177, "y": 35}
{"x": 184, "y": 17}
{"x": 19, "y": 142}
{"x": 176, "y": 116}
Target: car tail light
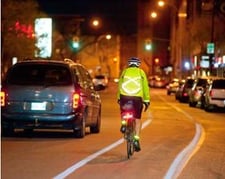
{"x": 2, "y": 98}
{"x": 76, "y": 100}
{"x": 211, "y": 93}
{"x": 185, "y": 94}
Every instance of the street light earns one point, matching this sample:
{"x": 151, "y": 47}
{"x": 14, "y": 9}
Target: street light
{"x": 101, "y": 37}
{"x": 153, "y": 14}
{"x": 96, "y": 22}
{"x": 177, "y": 33}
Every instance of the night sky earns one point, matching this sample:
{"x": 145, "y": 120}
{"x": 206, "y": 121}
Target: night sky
{"x": 115, "y": 14}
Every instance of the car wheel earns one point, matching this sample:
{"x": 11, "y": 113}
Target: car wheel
{"x": 80, "y": 133}
{"x": 192, "y": 104}
{"x": 208, "y": 108}
{"x": 96, "y": 127}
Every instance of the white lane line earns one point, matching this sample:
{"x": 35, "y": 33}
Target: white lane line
{"x": 81, "y": 163}
{"x": 185, "y": 155}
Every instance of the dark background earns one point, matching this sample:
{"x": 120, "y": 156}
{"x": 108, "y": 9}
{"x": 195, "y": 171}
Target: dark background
{"x": 118, "y": 16}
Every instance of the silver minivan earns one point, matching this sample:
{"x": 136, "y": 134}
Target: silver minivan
{"x": 215, "y": 95}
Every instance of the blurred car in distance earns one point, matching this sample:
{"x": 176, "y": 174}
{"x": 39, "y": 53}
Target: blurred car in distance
{"x": 100, "y": 81}
{"x": 182, "y": 93}
{"x": 151, "y": 80}
{"x": 197, "y": 90}
{"x": 160, "y": 82}
{"x": 173, "y": 86}
{"x": 48, "y": 94}
{"x": 214, "y": 96}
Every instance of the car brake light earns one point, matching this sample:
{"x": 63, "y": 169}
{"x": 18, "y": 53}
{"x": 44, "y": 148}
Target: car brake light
{"x": 211, "y": 93}
{"x": 2, "y": 98}
{"x": 76, "y": 99}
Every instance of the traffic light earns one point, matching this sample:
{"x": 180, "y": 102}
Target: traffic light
{"x": 75, "y": 42}
{"x": 148, "y": 44}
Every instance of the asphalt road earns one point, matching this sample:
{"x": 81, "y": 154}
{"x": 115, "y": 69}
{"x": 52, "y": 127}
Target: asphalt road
{"x": 177, "y": 142}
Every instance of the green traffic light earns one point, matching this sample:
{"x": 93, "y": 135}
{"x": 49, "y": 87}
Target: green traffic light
{"x": 75, "y": 44}
{"x": 148, "y": 47}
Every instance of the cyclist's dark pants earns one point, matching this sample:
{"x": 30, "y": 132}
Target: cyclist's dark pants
{"x": 135, "y": 102}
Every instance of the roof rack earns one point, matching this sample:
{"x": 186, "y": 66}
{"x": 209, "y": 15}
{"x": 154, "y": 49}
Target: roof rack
{"x": 68, "y": 60}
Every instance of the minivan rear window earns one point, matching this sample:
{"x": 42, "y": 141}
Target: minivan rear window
{"x": 39, "y": 74}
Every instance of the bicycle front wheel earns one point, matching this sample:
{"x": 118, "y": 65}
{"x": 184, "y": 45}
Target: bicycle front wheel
{"x": 130, "y": 148}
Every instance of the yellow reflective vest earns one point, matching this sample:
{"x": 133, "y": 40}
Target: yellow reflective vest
{"x": 133, "y": 82}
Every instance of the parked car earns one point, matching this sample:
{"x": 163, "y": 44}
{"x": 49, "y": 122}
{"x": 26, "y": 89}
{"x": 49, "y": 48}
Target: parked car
{"x": 173, "y": 86}
{"x": 197, "y": 90}
{"x": 182, "y": 94}
{"x": 214, "y": 96}
{"x": 100, "y": 81}
{"x": 48, "y": 94}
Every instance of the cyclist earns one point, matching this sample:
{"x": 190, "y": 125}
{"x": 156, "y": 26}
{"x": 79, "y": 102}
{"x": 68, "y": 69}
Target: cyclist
{"x": 133, "y": 87}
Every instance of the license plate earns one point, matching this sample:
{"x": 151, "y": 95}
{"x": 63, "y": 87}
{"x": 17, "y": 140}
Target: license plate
{"x": 38, "y": 106}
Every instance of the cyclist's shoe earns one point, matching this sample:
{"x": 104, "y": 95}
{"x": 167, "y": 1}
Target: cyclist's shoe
{"x": 137, "y": 147}
{"x": 123, "y": 129}
{"x": 123, "y": 126}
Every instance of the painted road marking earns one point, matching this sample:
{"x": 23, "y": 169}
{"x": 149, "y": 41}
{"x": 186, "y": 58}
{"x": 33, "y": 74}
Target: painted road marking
{"x": 185, "y": 155}
{"x": 81, "y": 163}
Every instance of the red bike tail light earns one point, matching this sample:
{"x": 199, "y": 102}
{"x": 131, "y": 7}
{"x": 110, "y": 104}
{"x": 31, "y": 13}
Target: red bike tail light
{"x": 76, "y": 100}
{"x": 127, "y": 116}
{"x": 2, "y": 98}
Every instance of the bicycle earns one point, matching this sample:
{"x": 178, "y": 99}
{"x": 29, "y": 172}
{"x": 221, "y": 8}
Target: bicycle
{"x": 129, "y": 132}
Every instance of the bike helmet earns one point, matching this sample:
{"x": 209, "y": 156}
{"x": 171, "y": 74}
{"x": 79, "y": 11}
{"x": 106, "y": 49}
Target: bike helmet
{"x": 134, "y": 61}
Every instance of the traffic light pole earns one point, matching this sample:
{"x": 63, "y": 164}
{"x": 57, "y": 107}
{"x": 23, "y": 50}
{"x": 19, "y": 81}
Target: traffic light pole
{"x": 212, "y": 38}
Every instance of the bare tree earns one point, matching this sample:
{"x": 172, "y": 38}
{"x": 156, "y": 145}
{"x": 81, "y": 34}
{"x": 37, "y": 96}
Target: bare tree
{"x": 17, "y": 38}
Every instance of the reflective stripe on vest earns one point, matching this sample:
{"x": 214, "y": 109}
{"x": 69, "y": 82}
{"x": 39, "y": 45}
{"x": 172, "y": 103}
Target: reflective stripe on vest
{"x": 130, "y": 80}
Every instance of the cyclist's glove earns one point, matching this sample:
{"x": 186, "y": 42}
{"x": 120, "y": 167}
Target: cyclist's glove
{"x": 146, "y": 105}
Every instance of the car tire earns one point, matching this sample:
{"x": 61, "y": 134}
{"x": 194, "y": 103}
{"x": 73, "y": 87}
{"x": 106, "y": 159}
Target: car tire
{"x": 80, "y": 133}
{"x": 96, "y": 128}
{"x": 192, "y": 104}
{"x": 208, "y": 108}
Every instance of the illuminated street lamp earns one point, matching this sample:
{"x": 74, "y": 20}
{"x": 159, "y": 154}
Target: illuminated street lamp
{"x": 101, "y": 37}
{"x": 177, "y": 33}
{"x": 153, "y": 14}
{"x": 95, "y": 22}
{"x": 161, "y": 3}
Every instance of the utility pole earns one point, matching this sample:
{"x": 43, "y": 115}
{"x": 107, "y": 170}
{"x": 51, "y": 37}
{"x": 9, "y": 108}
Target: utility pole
{"x": 212, "y": 38}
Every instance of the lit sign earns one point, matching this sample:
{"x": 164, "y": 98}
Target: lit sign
{"x": 43, "y": 33}
{"x": 204, "y": 63}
